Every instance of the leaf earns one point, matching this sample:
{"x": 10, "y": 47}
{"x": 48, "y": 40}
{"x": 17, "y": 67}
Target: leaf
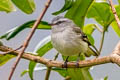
{"x": 119, "y": 1}
{"x": 42, "y": 25}
{"x": 5, "y": 58}
{"x": 90, "y": 38}
{"x": 7, "y": 33}
{"x": 101, "y": 12}
{"x": 4, "y": 35}
{"x": 80, "y": 74}
{"x": 117, "y": 7}
{"x": 38, "y": 67}
{"x": 78, "y": 11}
{"x": 24, "y": 72}
{"x": 27, "y": 6}
{"x": 67, "y": 5}
{"x": 106, "y": 78}
{"x": 115, "y": 28}
{"x": 63, "y": 72}
{"x": 6, "y": 5}
{"x": 43, "y": 47}
{"x": 76, "y": 73}
{"x": 13, "y": 32}
{"x": 89, "y": 28}
{"x": 31, "y": 69}
{"x": 114, "y": 23}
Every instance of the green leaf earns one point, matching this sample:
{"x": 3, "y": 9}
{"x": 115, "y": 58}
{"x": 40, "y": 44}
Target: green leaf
{"x": 90, "y": 38}
{"x": 67, "y": 5}
{"x": 4, "y": 35}
{"x": 101, "y": 12}
{"x": 5, "y": 58}
{"x": 41, "y": 50}
{"x": 39, "y": 67}
{"x": 89, "y": 28}
{"x": 115, "y": 28}
{"x": 6, "y": 5}
{"x": 117, "y": 7}
{"x": 119, "y": 1}
{"x": 24, "y": 72}
{"x": 31, "y": 69}
{"x": 27, "y": 6}
{"x": 13, "y": 32}
{"x": 63, "y": 72}
{"x": 79, "y": 74}
{"x": 78, "y": 11}
{"x": 42, "y": 25}
{"x": 76, "y": 73}
{"x": 106, "y": 78}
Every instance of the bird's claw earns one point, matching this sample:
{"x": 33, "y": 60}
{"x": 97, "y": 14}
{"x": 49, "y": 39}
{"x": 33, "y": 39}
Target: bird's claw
{"x": 65, "y": 64}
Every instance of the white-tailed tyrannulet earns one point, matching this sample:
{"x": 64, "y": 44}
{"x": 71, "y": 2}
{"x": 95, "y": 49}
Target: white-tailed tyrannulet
{"x": 68, "y": 39}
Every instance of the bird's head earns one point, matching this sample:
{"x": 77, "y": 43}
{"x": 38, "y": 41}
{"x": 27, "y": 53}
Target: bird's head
{"x": 60, "y": 20}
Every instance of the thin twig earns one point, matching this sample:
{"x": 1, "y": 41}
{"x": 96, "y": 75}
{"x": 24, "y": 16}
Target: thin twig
{"x": 49, "y": 68}
{"x": 26, "y": 42}
{"x": 12, "y": 50}
{"x": 115, "y": 13}
{"x": 102, "y": 41}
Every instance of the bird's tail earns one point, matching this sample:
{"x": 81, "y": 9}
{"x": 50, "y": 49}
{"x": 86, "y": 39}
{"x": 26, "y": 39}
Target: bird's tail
{"x": 90, "y": 52}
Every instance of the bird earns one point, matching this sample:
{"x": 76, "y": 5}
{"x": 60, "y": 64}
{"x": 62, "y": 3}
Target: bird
{"x": 68, "y": 39}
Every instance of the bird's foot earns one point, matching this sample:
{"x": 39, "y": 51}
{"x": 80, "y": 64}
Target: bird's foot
{"x": 77, "y": 63}
{"x": 65, "y": 63}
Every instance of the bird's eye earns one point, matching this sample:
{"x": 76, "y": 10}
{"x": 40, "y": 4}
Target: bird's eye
{"x": 59, "y": 22}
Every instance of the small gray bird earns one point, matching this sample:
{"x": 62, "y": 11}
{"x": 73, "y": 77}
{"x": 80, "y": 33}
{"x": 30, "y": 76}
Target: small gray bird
{"x": 68, "y": 39}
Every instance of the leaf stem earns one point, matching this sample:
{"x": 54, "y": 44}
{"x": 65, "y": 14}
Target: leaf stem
{"x": 102, "y": 41}
{"x": 98, "y": 28}
{"x": 49, "y": 69}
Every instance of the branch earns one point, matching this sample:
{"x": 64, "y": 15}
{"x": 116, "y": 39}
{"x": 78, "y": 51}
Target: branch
{"x": 27, "y": 40}
{"x": 114, "y": 12}
{"x": 112, "y": 58}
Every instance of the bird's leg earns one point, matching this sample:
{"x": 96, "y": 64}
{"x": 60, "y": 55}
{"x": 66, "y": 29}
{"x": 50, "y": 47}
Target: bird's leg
{"x": 77, "y": 62}
{"x": 65, "y": 63}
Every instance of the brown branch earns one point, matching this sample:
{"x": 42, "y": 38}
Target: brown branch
{"x": 115, "y": 13}
{"x": 113, "y": 58}
{"x": 26, "y": 42}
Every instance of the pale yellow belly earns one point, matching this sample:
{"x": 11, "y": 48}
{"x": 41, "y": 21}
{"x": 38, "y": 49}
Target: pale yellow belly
{"x": 68, "y": 47}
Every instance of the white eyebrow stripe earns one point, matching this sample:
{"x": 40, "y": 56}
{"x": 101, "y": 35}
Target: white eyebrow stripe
{"x": 63, "y": 19}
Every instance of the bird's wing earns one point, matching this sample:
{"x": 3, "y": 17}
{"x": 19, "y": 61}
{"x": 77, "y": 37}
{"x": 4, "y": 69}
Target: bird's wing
{"x": 78, "y": 31}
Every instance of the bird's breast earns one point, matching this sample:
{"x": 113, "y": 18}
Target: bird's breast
{"x": 66, "y": 43}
